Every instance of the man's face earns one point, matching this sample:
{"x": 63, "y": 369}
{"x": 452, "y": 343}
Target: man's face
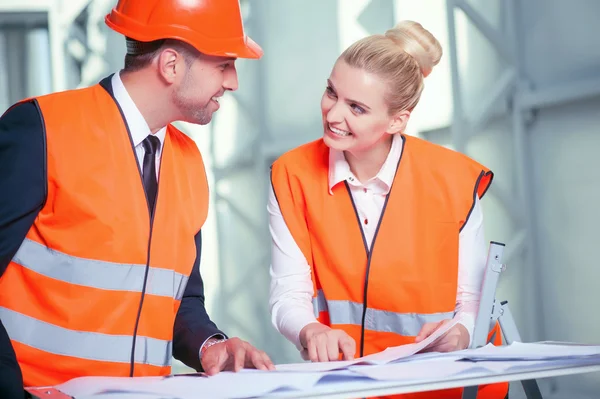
{"x": 206, "y": 79}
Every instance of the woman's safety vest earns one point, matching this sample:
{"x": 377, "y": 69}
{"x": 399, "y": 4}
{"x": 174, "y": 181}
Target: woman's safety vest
{"x": 383, "y": 296}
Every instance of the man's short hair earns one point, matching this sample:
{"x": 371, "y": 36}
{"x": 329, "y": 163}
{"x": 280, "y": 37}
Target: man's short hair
{"x": 141, "y": 54}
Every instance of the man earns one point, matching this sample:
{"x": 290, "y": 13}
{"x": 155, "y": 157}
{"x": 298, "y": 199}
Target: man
{"x": 101, "y": 206}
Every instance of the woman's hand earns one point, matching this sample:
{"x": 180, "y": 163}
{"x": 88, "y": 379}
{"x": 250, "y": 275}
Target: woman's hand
{"x": 323, "y": 344}
{"x": 454, "y": 340}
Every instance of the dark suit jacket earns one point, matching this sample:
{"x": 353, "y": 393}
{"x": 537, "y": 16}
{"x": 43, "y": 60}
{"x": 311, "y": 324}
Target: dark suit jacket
{"x": 23, "y": 192}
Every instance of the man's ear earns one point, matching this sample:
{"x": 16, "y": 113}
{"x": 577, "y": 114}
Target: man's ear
{"x": 169, "y": 65}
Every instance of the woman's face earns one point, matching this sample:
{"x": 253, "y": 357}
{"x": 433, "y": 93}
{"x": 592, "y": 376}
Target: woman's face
{"x": 355, "y": 115}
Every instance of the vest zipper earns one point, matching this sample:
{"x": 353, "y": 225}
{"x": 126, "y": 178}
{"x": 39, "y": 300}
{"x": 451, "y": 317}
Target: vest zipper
{"x": 151, "y": 214}
{"x": 369, "y": 252}
{"x": 369, "y": 257}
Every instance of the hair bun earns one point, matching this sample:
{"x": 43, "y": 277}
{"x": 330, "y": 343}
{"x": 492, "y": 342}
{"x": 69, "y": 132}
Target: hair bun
{"x": 418, "y": 42}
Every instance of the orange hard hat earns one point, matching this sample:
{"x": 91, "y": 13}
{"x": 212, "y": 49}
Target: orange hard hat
{"x": 213, "y": 27}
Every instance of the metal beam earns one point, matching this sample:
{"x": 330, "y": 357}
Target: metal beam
{"x": 494, "y": 101}
{"x": 457, "y": 98}
{"x": 74, "y": 9}
{"x": 26, "y": 6}
{"x": 491, "y": 34}
{"x": 33, "y": 19}
{"x": 58, "y": 36}
{"x": 525, "y": 194}
{"x": 505, "y": 91}
{"x": 560, "y": 94}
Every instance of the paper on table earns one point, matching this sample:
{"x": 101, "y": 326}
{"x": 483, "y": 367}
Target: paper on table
{"x": 429, "y": 369}
{"x": 421, "y": 356}
{"x": 388, "y": 355}
{"x": 403, "y": 351}
{"x": 85, "y": 386}
{"x": 530, "y": 351}
{"x": 317, "y": 366}
{"x": 502, "y": 366}
{"x": 244, "y": 384}
{"x": 123, "y": 395}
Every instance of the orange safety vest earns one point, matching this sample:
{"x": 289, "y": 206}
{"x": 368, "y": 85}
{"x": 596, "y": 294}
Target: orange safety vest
{"x": 70, "y": 299}
{"x": 382, "y": 297}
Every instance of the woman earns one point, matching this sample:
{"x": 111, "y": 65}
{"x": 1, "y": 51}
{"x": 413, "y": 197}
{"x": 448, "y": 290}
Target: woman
{"x": 377, "y": 236}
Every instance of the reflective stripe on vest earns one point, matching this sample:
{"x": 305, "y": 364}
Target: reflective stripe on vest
{"x": 98, "y": 274}
{"x": 348, "y": 312}
{"x": 84, "y": 345}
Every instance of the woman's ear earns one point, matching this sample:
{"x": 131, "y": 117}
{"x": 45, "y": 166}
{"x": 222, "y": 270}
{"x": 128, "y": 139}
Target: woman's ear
{"x": 398, "y": 122}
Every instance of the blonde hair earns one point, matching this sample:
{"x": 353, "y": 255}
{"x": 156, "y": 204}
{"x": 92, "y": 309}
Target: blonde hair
{"x": 403, "y": 56}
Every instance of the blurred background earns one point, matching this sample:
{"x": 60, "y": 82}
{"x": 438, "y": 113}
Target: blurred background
{"x": 518, "y": 89}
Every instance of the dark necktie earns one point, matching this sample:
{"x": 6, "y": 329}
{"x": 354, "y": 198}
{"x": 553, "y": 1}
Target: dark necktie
{"x": 151, "y": 144}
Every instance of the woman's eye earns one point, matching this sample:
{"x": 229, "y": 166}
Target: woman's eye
{"x": 358, "y": 109}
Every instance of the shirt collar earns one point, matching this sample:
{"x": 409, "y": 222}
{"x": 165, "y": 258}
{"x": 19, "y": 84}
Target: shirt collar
{"x": 339, "y": 169}
{"x": 138, "y": 126}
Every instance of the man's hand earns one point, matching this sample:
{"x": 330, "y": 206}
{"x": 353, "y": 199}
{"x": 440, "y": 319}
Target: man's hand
{"x": 323, "y": 344}
{"x": 234, "y": 355}
{"x": 454, "y": 340}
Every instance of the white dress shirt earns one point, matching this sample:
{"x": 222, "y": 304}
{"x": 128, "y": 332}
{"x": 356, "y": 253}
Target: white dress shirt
{"x": 138, "y": 126}
{"x": 291, "y": 285}
{"x": 139, "y": 129}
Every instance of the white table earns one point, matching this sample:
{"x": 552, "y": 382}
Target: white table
{"x": 367, "y": 388}
{"x": 360, "y": 389}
